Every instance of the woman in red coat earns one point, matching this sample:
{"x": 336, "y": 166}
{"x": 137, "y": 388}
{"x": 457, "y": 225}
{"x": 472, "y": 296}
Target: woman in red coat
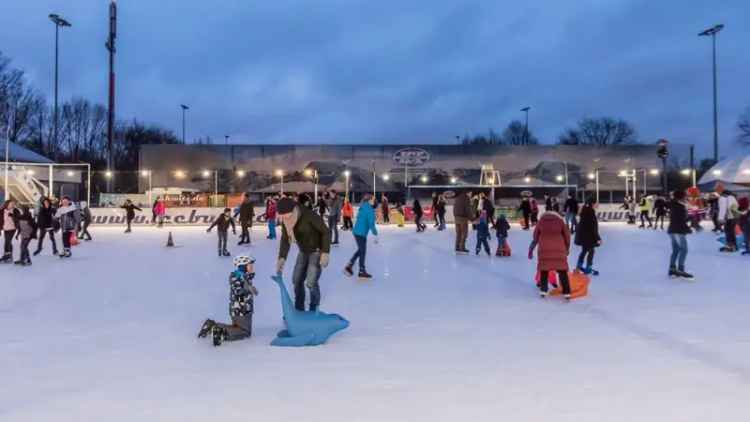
{"x": 553, "y": 237}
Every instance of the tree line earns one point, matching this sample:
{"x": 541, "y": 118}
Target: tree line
{"x": 28, "y": 120}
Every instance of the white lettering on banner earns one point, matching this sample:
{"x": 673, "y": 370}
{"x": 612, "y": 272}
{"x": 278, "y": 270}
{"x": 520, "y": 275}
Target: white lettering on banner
{"x": 206, "y": 216}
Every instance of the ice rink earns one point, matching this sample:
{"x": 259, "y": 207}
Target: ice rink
{"x": 110, "y": 335}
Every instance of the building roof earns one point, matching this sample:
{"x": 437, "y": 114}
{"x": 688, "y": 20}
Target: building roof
{"x": 20, "y": 154}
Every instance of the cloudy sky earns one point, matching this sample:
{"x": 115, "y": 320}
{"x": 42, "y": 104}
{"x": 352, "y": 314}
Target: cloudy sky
{"x": 418, "y": 71}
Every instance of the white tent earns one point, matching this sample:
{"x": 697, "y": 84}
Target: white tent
{"x": 735, "y": 171}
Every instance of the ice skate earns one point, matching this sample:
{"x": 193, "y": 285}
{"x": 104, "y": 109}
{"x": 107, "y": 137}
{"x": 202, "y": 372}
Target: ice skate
{"x": 37, "y": 252}
{"x": 219, "y": 335}
{"x": 683, "y": 274}
{"x": 673, "y": 273}
{"x": 226, "y": 253}
{"x": 206, "y": 328}
{"x": 6, "y": 259}
{"x": 364, "y": 275}
{"x": 542, "y": 294}
{"x": 348, "y": 270}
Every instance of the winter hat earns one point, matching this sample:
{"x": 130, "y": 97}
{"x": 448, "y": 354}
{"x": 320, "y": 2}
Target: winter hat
{"x": 227, "y": 210}
{"x": 285, "y": 206}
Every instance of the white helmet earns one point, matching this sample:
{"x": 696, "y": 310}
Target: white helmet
{"x": 242, "y": 260}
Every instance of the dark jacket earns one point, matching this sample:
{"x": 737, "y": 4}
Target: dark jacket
{"x": 26, "y": 226}
{"x": 501, "y": 227}
{"x": 44, "y": 220}
{"x": 130, "y": 210}
{"x": 310, "y": 232}
{"x": 247, "y": 212}
{"x": 483, "y": 229}
{"x": 462, "y": 207}
{"x": 660, "y": 206}
{"x": 571, "y": 206}
{"x": 86, "y": 215}
{"x": 525, "y": 206}
{"x": 587, "y": 231}
{"x": 222, "y": 223}
{"x": 68, "y": 217}
{"x": 678, "y": 218}
{"x": 417, "y": 208}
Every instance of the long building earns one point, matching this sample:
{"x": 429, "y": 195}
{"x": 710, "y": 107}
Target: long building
{"x": 260, "y": 168}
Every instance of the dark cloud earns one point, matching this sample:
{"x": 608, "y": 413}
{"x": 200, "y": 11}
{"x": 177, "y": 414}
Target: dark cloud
{"x": 394, "y": 71}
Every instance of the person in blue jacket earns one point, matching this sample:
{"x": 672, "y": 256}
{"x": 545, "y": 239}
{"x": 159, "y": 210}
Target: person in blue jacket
{"x": 362, "y": 227}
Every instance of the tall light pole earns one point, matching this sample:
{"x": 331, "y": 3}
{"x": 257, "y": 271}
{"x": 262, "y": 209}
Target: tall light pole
{"x": 147, "y": 173}
{"x": 712, "y": 33}
{"x": 347, "y": 173}
{"x": 59, "y": 23}
{"x": 110, "y": 45}
{"x": 226, "y": 139}
{"x": 280, "y": 173}
{"x": 184, "y": 109}
{"x": 526, "y": 127}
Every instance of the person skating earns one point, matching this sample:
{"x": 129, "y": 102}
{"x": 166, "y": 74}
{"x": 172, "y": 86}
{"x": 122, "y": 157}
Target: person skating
{"x": 153, "y": 210}
{"x": 271, "y": 217}
{"x": 525, "y": 209}
{"x": 242, "y": 294}
{"x": 222, "y": 224}
{"x": 728, "y": 213}
{"x": 418, "y": 213}
{"x": 678, "y": 230}
{"x": 555, "y": 205}
{"x": 246, "y": 214}
{"x": 552, "y": 237}
{"x": 570, "y": 209}
{"x": 489, "y": 208}
{"x": 645, "y": 210}
{"x": 462, "y": 213}
{"x": 534, "y": 211}
{"x": 334, "y": 213}
{"x": 45, "y": 221}
{"x": 385, "y": 210}
{"x": 130, "y": 210}
{"x": 435, "y": 199}
{"x": 660, "y": 210}
{"x": 501, "y": 232}
{"x": 9, "y": 216}
{"x": 348, "y": 213}
{"x": 587, "y": 237}
{"x": 322, "y": 205}
{"x": 85, "y": 218}
{"x": 483, "y": 234}
{"x": 307, "y": 229}
{"x": 26, "y": 231}
{"x": 161, "y": 212}
{"x": 66, "y": 214}
{"x": 441, "y": 212}
{"x": 364, "y": 225}
{"x": 744, "y": 221}
{"x": 713, "y": 206}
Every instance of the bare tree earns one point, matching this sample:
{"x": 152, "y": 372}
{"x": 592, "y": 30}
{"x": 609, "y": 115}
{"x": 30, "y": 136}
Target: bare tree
{"x": 516, "y": 134}
{"x": 743, "y": 125}
{"x": 600, "y": 131}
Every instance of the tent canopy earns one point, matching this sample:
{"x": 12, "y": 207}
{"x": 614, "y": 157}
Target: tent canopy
{"x": 20, "y": 154}
{"x": 730, "y": 171}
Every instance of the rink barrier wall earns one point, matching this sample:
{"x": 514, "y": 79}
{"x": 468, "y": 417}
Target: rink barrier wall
{"x": 206, "y": 216}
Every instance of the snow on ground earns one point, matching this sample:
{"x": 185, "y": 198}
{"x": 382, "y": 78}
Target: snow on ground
{"x": 110, "y": 335}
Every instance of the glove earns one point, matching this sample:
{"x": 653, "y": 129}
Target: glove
{"x": 324, "y": 258}
{"x": 280, "y": 265}
{"x": 208, "y": 230}
{"x": 531, "y": 254}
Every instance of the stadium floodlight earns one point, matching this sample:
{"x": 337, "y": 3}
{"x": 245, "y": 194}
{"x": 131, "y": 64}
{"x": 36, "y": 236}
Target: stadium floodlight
{"x": 308, "y": 172}
{"x": 70, "y": 173}
{"x": 527, "y": 179}
{"x": 716, "y": 172}
{"x": 424, "y": 179}
{"x": 240, "y": 173}
{"x": 685, "y": 172}
{"x": 179, "y": 174}
{"x": 454, "y": 180}
{"x": 592, "y": 176}
{"x": 145, "y": 173}
{"x": 654, "y": 172}
{"x": 559, "y": 177}
{"x": 108, "y": 174}
{"x": 347, "y": 173}
{"x": 386, "y": 177}
{"x": 206, "y": 173}
{"x": 279, "y": 172}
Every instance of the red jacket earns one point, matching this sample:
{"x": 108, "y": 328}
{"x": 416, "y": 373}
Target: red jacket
{"x": 553, "y": 238}
{"x": 270, "y": 210}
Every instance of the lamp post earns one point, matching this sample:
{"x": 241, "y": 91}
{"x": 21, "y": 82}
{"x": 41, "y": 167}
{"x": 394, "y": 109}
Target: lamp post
{"x": 110, "y": 45}
{"x": 59, "y": 23}
{"x": 147, "y": 173}
{"x": 526, "y": 127}
{"x": 184, "y": 109}
{"x": 347, "y": 173}
{"x": 226, "y": 139}
{"x": 314, "y": 174}
{"x": 712, "y": 32}
{"x": 206, "y": 174}
{"x": 280, "y": 173}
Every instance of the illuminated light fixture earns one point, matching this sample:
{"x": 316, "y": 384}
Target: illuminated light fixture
{"x": 347, "y": 173}
{"x": 206, "y": 173}
{"x": 527, "y": 179}
{"x": 386, "y": 177}
{"x": 145, "y": 173}
{"x": 423, "y": 179}
{"x": 279, "y": 172}
{"x": 746, "y": 171}
{"x": 622, "y": 173}
{"x": 454, "y": 180}
{"x": 717, "y": 172}
{"x": 592, "y": 176}
{"x": 685, "y": 172}
{"x": 179, "y": 174}
{"x": 654, "y": 172}
{"x": 107, "y": 174}
{"x": 70, "y": 173}
{"x": 30, "y": 172}
{"x": 308, "y": 173}
{"x": 241, "y": 173}
{"x": 559, "y": 178}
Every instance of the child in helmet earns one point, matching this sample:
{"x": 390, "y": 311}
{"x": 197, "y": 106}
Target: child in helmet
{"x": 241, "y": 294}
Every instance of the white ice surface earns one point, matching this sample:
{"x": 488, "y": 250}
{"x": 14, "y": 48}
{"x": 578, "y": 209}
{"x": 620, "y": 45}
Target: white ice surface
{"x": 110, "y": 335}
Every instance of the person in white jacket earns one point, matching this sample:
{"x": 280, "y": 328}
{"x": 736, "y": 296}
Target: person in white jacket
{"x": 67, "y": 215}
{"x": 728, "y": 213}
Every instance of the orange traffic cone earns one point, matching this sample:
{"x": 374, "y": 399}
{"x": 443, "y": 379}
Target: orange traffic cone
{"x": 170, "y": 241}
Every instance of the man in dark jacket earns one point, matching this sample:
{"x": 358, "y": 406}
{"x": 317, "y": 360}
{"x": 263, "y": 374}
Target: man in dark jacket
{"x": 570, "y": 209}
{"x": 130, "y": 209}
{"x": 46, "y": 225}
{"x": 301, "y": 225}
{"x": 678, "y": 229}
{"x": 525, "y": 209}
{"x": 334, "y": 213}
{"x": 246, "y": 213}
{"x": 462, "y": 214}
{"x": 587, "y": 237}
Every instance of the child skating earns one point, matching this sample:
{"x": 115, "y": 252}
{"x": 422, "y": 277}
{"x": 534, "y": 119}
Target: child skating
{"x": 501, "y": 231}
{"x": 483, "y": 234}
{"x": 222, "y": 224}
{"x": 26, "y": 231}
{"x": 241, "y": 298}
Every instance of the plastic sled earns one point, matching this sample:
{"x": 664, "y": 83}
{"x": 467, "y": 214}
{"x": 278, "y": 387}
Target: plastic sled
{"x": 579, "y": 285}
